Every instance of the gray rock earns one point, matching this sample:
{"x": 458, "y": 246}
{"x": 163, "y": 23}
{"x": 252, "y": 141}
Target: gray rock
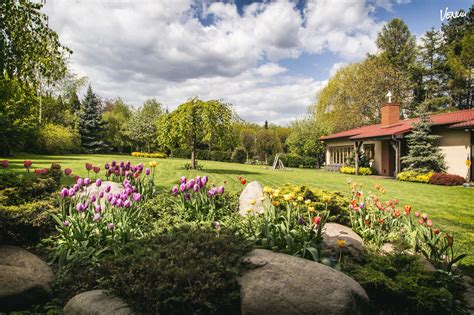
{"x": 24, "y": 279}
{"x": 468, "y": 294}
{"x": 250, "y": 199}
{"x": 332, "y": 232}
{"x": 96, "y": 302}
{"x": 94, "y": 190}
{"x": 284, "y": 284}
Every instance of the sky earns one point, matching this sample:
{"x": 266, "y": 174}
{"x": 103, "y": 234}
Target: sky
{"x": 268, "y": 59}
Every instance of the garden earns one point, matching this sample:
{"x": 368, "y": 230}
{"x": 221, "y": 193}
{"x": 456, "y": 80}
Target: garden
{"x": 148, "y": 236}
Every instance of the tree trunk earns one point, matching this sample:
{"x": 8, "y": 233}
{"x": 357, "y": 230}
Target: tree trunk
{"x": 193, "y": 158}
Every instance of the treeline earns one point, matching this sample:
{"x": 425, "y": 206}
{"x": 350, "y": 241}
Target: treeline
{"x": 435, "y": 75}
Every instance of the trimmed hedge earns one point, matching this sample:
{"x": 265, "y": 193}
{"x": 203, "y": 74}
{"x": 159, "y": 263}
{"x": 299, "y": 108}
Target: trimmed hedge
{"x": 362, "y": 170}
{"x": 154, "y": 155}
{"x": 413, "y": 176}
{"x": 221, "y": 156}
{"x": 446, "y": 179}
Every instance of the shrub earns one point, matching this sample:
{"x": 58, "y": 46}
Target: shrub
{"x": 398, "y": 284}
{"x": 189, "y": 166}
{"x": 27, "y": 223}
{"x": 413, "y": 176}
{"x": 187, "y": 270}
{"x": 362, "y": 170}
{"x": 57, "y": 139}
{"x": 446, "y": 179}
{"x": 239, "y": 155}
{"x": 153, "y": 155}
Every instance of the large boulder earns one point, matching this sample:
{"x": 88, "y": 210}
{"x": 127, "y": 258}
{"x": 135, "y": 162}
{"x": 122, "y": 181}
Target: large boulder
{"x": 250, "y": 199}
{"x": 24, "y": 279}
{"x": 332, "y": 232}
{"x": 96, "y": 302}
{"x": 284, "y": 284}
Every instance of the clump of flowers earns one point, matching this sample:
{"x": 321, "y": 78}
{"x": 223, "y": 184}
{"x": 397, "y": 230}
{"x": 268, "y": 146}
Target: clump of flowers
{"x": 289, "y": 223}
{"x": 379, "y": 222}
{"x": 139, "y": 176}
{"x": 197, "y": 200}
{"x": 93, "y": 219}
{"x": 242, "y": 180}
{"x": 5, "y": 163}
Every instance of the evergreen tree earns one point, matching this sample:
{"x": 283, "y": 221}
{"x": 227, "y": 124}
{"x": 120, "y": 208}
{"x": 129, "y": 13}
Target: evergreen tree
{"x": 397, "y": 44}
{"x": 90, "y": 124}
{"x": 423, "y": 154}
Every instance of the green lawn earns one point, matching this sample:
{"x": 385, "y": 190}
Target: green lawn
{"x": 451, "y": 208}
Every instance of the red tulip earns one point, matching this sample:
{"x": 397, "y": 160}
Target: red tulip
{"x": 243, "y": 181}
{"x": 421, "y": 221}
{"x": 38, "y": 172}
{"x": 67, "y": 171}
{"x": 5, "y": 163}
{"x": 27, "y": 164}
{"x": 316, "y": 220}
{"x": 96, "y": 169}
{"x": 88, "y": 166}
{"x": 436, "y": 231}
{"x": 429, "y": 223}
{"x": 407, "y": 210}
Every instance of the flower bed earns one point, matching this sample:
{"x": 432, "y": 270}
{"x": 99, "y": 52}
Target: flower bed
{"x": 152, "y": 155}
{"x": 362, "y": 170}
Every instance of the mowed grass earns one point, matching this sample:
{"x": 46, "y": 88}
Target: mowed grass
{"x": 451, "y": 208}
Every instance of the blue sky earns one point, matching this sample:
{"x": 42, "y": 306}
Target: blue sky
{"x": 268, "y": 59}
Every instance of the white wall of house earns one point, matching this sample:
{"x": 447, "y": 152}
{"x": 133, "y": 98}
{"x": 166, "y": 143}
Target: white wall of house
{"x": 456, "y": 147}
{"x": 378, "y": 151}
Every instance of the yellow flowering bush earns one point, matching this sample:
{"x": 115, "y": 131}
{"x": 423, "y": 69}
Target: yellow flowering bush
{"x": 413, "y": 176}
{"x": 155, "y": 155}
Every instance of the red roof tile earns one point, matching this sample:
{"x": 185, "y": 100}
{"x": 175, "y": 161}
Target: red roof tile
{"x": 458, "y": 119}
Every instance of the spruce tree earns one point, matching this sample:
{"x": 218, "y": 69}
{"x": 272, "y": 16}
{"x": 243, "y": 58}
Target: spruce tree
{"x": 423, "y": 154}
{"x": 90, "y": 124}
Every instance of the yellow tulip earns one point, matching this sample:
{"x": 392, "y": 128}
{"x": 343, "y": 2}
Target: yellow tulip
{"x": 311, "y": 209}
{"x": 300, "y": 198}
{"x": 341, "y": 243}
{"x": 153, "y": 164}
{"x": 307, "y": 201}
{"x": 287, "y": 197}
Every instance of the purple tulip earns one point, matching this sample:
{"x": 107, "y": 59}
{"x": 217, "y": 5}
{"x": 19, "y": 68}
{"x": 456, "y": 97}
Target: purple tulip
{"x": 80, "y": 207}
{"x": 64, "y": 192}
{"x": 183, "y": 179}
{"x": 140, "y": 167}
{"x": 362, "y": 205}
{"x": 128, "y": 191}
{"x": 111, "y": 226}
{"x": 198, "y": 181}
{"x": 134, "y": 189}
{"x": 127, "y": 174}
{"x": 126, "y": 182}
{"x": 137, "y": 197}
{"x": 109, "y": 197}
{"x": 122, "y": 164}
{"x": 80, "y": 181}
{"x": 98, "y": 208}
{"x": 98, "y": 182}
{"x": 301, "y": 221}
{"x": 96, "y": 217}
{"x": 87, "y": 181}
{"x": 175, "y": 190}
{"x": 66, "y": 223}
{"x": 72, "y": 192}
{"x": 212, "y": 192}
{"x": 147, "y": 171}
{"x": 101, "y": 194}
{"x": 119, "y": 203}
{"x": 93, "y": 198}
{"x": 196, "y": 187}
{"x": 220, "y": 190}
{"x": 192, "y": 182}
{"x": 107, "y": 166}
{"x": 117, "y": 172}
{"x": 123, "y": 196}
{"x": 127, "y": 204}
{"x": 108, "y": 188}
{"x": 204, "y": 180}
{"x": 76, "y": 187}
{"x": 133, "y": 169}
{"x": 182, "y": 187}
{"x": 113, "y": 201}
{"x": 113, "y": 163}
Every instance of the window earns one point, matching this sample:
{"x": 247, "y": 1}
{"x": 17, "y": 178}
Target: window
{"x": 369, "y": 151}
{"x": 339, "y": 155}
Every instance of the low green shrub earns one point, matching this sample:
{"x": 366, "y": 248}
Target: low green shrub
{"x": 239, "y": 155}
{"x": 57, "y": 139}
{"x": 399, "y": 284}
{"x": 26, "y": 223}
{"x": 413, "y": 176}
{"x": 362, "y": 170}
{"x": 188, "y": 269}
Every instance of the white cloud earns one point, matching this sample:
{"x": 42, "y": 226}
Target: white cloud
{"x": 149, "y": 48}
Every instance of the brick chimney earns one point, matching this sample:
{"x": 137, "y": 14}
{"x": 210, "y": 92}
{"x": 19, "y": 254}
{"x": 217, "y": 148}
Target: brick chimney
{"x": 390, "y": 113}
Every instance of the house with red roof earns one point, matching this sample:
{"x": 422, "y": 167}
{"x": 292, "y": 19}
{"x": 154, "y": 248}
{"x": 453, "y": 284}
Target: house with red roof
{"x": 385, "y": 143}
